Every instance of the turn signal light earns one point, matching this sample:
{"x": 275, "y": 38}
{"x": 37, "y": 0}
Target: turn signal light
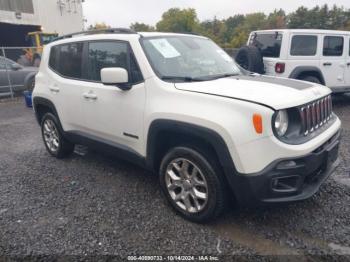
{"x": 257, "y": 122}
{"x": 280, "y": 68}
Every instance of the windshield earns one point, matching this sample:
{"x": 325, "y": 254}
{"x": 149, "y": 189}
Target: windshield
{"x": 188, "y": 58}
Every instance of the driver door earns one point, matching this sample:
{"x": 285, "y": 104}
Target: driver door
{"x": 112, "y": 115}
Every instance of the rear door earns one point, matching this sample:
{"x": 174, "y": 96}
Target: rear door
{"x": 65, "y": 84}
{"x": 304, "y": 51}
{"x": 332, "y": 62}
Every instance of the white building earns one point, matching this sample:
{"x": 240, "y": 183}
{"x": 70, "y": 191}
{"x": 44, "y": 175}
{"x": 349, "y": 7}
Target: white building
{"x": 52, "y": 16}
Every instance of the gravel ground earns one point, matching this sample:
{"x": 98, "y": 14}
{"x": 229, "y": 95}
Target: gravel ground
{"x": 93, "y": 205}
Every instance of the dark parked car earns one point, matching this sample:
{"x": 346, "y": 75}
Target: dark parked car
{"x": 19, "y": 77}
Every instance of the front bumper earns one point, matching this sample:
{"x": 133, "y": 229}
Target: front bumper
{"x": 287, "y": 180}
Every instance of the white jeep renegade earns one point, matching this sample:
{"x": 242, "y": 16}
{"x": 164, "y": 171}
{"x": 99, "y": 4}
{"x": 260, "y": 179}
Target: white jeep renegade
{"x": 319, "y": 56}
{"x": 178, "y": 105}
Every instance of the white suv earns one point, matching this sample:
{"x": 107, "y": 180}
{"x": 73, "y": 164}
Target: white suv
{"x": 320, "y": 56}
{"x": 178, "y": 105}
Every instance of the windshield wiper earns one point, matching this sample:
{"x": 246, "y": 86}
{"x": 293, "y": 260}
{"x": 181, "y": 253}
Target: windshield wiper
{"x": 197, "y": 79}
{"x": 182, "y": 78}
{"x": 222, "y": 76}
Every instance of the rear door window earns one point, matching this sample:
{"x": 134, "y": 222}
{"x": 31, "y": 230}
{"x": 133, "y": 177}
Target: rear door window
{"x": 269, "y": 44}
{"x": 67, "y": 60}
{"x": 333, "y": 46}
{"x": 304, "y": 45}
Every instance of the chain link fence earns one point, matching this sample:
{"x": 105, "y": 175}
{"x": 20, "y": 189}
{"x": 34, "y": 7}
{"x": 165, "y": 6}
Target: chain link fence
{"x": 18, "y": 66}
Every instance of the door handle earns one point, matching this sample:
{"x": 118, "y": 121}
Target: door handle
{"x": 327, "y": 64}
{"x": 54, "y": 89}
{"x": 90, "y": 95}
{"x": 348, "y": 64}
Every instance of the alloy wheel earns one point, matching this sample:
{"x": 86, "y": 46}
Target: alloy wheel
{"x": 186, "y": 185}
{"x": 51, "y": 136}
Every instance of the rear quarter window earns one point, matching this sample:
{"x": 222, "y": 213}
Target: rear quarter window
{"x": 269, "y": 44}
{"x": 304, "y": 45}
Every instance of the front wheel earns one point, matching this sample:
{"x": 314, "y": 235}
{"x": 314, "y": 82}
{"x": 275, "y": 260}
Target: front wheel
{"x": 192, "y": 184}
{"x": 54, "y": 140}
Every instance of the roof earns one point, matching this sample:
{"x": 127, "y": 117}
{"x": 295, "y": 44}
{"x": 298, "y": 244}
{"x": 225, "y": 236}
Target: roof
{"x": 314, "y": 31}
{"x": 124, "y": 32}
{"x": 155, "y": 34}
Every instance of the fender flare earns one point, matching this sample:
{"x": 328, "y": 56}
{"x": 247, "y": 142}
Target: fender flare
{"x": 40, "y": 101}
{"x": 210, "y": 136}
{"x": 302, "y": 69}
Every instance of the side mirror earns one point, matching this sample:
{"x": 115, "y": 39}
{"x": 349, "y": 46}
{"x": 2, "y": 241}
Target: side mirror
{"x": 115, "y": 76}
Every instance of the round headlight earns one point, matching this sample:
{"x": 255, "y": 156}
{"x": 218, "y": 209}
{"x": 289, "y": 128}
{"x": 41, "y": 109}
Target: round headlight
{"x": 281, "y": 122}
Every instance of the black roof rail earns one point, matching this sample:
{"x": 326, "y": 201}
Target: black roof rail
{"x": 98, "y": 31}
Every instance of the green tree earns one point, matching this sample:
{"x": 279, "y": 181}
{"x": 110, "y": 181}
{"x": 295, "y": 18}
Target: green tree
{"x": 215, "y": 30}
{"x": 234, "y": 31}
{"x": 141, "y": 27}
{"x": 251, "y": 22}
{"x": 276, "y": 20}
{"x": 240, "y": 38}
{"x": 231, "y": 24}
{"x": 179, "y": 20}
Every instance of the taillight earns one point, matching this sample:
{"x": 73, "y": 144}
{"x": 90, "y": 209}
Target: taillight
{"x": 280, "y": 67}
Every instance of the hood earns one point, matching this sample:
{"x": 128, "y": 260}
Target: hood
{"x": 278, "y": 93}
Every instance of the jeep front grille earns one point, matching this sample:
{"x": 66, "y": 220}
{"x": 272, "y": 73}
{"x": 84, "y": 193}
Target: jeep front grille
{"x": 315, "y": 114}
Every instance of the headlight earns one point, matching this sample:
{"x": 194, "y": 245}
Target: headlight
{"x": 281, "y": 123}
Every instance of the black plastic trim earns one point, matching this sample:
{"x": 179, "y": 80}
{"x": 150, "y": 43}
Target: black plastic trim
{"x": 131, "y": 135}
{"x": 37, "y": 100}
{"x": 304, "y": 69}
{"x": 106, "y": 146}
{"x": 255, "y": 189}
{"x": 212, "y": 138}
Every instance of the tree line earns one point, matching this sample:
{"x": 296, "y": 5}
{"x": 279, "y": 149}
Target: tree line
{"x": 233, "y": 31}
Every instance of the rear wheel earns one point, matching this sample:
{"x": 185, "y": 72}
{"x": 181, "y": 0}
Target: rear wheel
{"x": 53, "y": 139}
{"x": 192, "y": 184}
{"x": 311, "y": 79}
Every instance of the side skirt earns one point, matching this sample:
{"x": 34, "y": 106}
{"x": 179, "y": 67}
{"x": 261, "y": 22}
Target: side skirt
{"x": 107, "y": 147}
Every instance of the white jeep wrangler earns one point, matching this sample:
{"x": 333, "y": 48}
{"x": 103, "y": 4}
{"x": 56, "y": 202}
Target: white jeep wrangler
{"x": 178, "y": 105}
{"x": 319, "y": 56}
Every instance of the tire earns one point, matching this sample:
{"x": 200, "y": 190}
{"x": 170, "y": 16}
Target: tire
{"x": 311, "y": 79}
{"x": 202, "y": 181}
{"x": 250, "y": 58}
{"x": 54, "y": 141}
{"x": 29, "y": 82}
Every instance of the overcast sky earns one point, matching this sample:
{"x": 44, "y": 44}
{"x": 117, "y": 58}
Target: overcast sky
{"x": 121, "y": 13}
